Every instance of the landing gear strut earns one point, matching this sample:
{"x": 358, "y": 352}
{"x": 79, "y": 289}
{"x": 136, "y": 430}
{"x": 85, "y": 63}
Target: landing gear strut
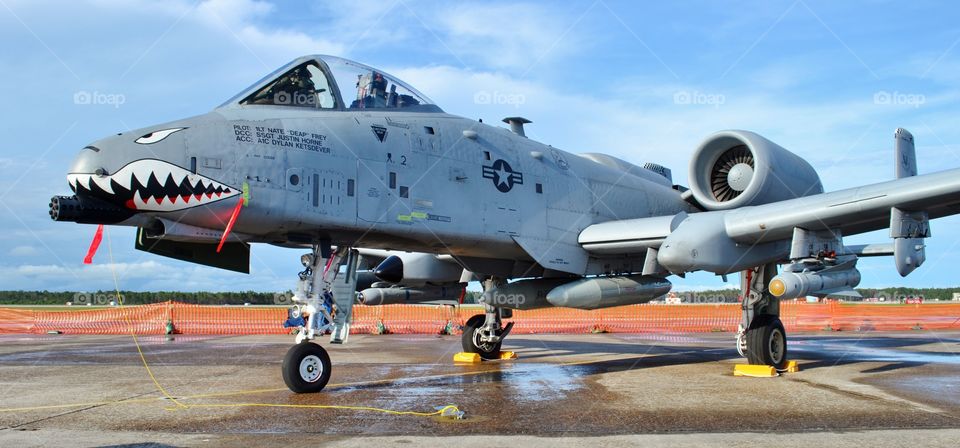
{"x": 483, "y": 334}
{"x": 323, "y": 302}
{"x": 761, "y": 337}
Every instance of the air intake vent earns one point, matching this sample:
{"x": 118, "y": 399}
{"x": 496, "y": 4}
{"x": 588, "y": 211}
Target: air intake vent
{"x": 659, "y": 169}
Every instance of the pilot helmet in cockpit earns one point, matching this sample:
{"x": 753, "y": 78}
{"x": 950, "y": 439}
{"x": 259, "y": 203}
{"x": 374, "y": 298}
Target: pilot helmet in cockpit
{"x": 371, "y": 90}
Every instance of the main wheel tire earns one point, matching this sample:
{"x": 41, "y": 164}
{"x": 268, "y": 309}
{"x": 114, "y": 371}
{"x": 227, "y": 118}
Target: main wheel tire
{"x": 767, "y": 342}
{"x": 306, "y": 368}
{"x": 472, "y": 345}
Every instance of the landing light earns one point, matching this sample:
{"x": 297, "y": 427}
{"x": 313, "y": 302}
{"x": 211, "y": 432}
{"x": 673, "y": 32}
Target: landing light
{"x": 306, "y": 260}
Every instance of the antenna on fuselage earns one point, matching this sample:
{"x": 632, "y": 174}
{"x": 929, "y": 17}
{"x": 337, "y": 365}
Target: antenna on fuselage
{"x": 516, "y": 124}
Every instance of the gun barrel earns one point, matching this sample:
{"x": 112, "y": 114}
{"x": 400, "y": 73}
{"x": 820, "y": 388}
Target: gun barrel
{"x": 86, "y": 210}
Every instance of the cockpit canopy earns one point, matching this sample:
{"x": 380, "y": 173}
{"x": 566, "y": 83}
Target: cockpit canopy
{"x": 332, "y": 83}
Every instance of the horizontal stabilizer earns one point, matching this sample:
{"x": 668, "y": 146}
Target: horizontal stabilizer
{"x": 870, "y": 250}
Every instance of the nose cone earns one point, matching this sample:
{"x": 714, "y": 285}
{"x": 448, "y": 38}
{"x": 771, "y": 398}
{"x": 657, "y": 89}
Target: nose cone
{"x": 740, "y": 176}
{"x": 147, "y": 170}
{"x": 91, "y": 170}
{"x": 390, "y": 270}
{"x": 94, "y": 165}
{"x": 777, "y": 287}
{"x": 676, "y": 257}
{"x": 164, "y": 142}
{"x": 87, "y": 161}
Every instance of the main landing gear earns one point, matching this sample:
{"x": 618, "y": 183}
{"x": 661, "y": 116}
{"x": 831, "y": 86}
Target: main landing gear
{"x": 483, "y": 334}
{"x": 761, "y": 337}
{"x": 323, "y": 302}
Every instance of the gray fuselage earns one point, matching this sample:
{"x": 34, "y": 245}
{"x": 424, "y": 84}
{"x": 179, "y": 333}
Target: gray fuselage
{"x": 417, "y": 181}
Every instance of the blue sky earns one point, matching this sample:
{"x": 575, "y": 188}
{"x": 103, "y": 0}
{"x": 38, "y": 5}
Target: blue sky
{"x": 646, "y": 81}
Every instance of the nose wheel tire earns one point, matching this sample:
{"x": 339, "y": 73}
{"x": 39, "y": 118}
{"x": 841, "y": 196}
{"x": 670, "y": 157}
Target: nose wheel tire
{"x": 306, "y": 368}
{"x": 471, "y": 339}
{"x": 767, "y": 342}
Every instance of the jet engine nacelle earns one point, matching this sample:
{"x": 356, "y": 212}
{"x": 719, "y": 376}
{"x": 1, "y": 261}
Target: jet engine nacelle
{"x": 733, "y": 169}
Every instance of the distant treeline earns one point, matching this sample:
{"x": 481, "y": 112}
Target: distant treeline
{"x": 270, "y": 298}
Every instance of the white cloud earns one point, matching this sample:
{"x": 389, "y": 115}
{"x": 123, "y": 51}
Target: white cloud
{"x": 233, "y": 13}
{"x": 23, "y": 251}
{"x": 513, "y": 35}
{"x": 155, "y": 274}
{"x": 145, "y": 269}
{"x": 239, "y": 19}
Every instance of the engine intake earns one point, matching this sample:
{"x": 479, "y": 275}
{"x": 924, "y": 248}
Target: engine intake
{"x": 733, "y": 169}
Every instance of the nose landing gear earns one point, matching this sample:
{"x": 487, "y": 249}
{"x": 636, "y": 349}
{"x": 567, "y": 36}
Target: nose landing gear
{"x": 306, "y": 368}
{"x": 325, "y": 297}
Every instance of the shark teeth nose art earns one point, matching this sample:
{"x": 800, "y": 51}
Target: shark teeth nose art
{"x": 152, "y": 185}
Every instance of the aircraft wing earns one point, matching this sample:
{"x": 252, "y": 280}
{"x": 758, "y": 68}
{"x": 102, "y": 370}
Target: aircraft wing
{"x": 851, "y": 211}
{"x": 725, "y": 241}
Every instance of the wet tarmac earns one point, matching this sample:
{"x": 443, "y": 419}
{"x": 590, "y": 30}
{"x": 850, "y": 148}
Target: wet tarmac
{"x": 629, "y": 388}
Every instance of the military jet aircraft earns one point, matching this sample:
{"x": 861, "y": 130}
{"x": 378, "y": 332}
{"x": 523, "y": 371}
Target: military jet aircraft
{"x": 365, "y": 171}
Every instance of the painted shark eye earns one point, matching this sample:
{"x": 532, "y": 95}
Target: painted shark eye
{"x": 156, "y": 136}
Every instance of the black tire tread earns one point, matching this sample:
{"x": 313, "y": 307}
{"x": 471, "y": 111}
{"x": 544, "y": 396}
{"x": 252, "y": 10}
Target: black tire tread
{"x": 466, "y": 340}
{"x": 291, "y": 368}
{"x": 757, "y": 339}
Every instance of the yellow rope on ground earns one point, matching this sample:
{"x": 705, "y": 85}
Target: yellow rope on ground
{"x": 133, "y": 333}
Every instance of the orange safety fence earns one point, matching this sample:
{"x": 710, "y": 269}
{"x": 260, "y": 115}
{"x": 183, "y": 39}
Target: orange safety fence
{"x": 424, "y": 319}
{"x": 143, "y": 319}
{"x": 209, "y": 319}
